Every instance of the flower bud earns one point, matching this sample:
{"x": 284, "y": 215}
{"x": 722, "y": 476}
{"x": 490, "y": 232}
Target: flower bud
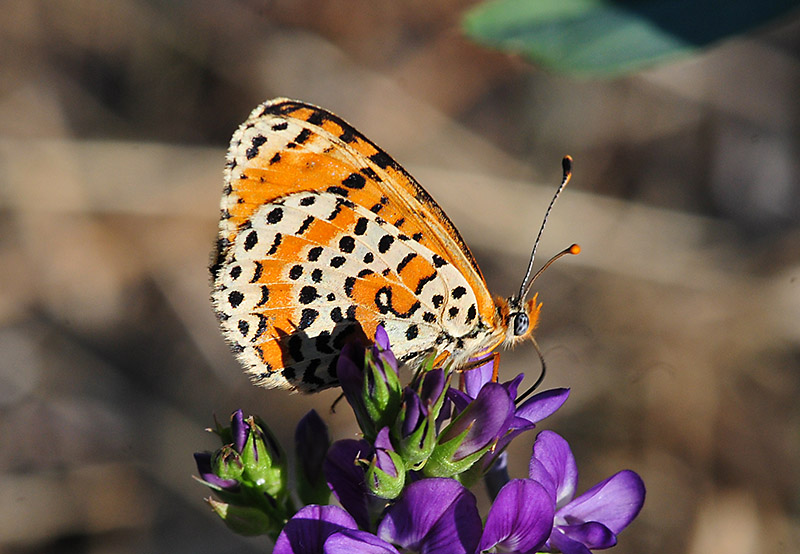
{"x": 386, "y": 472}
{"x": 371, "y": 384}
{"x": 263, "y": 460}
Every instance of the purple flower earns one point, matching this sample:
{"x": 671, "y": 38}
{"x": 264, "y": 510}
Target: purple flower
{"x": 520, "y": 519}
{"x": 327, "y": 530}
{"x": 521, "y": 418}
{"x": 594, "y": 519}
{"x": 433, "y": 516}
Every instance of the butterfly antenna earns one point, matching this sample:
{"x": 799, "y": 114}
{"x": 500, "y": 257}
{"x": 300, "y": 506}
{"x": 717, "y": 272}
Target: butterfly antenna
{"x": 566, "y": 165}
{"x": 538, "y": 382}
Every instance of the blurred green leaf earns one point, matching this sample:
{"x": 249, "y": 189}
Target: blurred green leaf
{"x": 604, "y": 38}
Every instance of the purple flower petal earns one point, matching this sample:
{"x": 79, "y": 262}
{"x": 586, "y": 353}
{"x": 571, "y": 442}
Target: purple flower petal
{"x": 513, "y": 385}
{"x": 580, "y": 539}
{"x": 486, "y": 417}
{"x": 203, "y": 461}
{"x": 349, "y": 369}
{"x": 474, "y": 379}
{"x": 309, "y": 528}
{"x": 459, "y": 399}
{"x": 520, "y": 519}
{"x": 553, "y": 466}
{"x": 349, "y": 541}
{"x": 382, "y": 338}
{"x": 239, "y": 430}
{"x": 433, "y": 516}
{"x": 542, "y": 405}
{"x": 614, "y": 502}
{"x": 382, "y": 445}
{"x": 346, "y": 478}
{"x": 414, "y": 412}
{"x": 432, "y": 386}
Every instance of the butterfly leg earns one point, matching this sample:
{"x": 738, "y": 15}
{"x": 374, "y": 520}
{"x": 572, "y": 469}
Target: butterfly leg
{"x": 478, "y": 362}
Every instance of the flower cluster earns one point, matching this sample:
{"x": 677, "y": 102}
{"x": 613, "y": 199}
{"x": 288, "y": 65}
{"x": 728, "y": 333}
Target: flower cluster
{"x": 404, "y": 487}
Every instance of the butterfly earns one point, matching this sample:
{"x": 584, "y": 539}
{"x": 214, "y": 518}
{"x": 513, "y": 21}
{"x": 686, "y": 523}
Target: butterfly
{"x": 323, "y": 237}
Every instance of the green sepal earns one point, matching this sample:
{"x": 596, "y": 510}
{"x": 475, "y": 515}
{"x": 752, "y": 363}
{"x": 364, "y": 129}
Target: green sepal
{"x": 227, "y": 463}
{"x": 245, "y": 520}
{"x": 264, "y": 461}
{"x": 441, "y": 462}
{"x": 383, "y": 485}
{"x": 418, "y": 446}
{"x": 381, "y": 393}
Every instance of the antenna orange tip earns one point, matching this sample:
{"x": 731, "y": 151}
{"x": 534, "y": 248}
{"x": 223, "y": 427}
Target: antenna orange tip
{"x": 575, "y": 249}
{"x": 566, "y": 164}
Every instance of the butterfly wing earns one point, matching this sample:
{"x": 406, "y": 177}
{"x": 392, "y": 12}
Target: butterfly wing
{"x": 323, "y": 236}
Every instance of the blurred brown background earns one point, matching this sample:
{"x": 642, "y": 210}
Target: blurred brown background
{"x": 678, "y": 327}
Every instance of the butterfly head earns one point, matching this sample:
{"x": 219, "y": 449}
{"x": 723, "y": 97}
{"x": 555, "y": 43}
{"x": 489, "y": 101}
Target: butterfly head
{"x": 519, "y": 318}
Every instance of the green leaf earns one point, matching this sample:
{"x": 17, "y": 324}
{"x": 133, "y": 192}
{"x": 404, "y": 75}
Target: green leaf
{"x": 594, "y": 38}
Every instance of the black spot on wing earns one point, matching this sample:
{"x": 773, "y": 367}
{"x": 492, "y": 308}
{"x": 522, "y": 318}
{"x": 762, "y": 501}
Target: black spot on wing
{"x": 385, "y": 243}
{"x": 354, "y": 181}
{"x": 250, "y": 240}
{"x": 347, "y": 244}
{"x": 305, "y": 225}
{"x": 314, "y": 254}
{"x": 255, "y": 144}
{"x": 405, "y": 261}
{"x": 308, "y": 294}
{"x": 349, "y": 283}
{"x": 235, "y": 298}
{"x": 275, "y": 244}
{"x": 303, "y": 136}
{"x": 471, "y": 313}
{"x": 438, "y": 261}
{"x": 424, "y": 281}
{"x": 264, "y": 296}
{"x": 361, "y": 226}
{"x": 382, "y": 160}
{"x": 307, "y": 318}
{"x": 257, "y": 272}
{"x": 338, "y": 261}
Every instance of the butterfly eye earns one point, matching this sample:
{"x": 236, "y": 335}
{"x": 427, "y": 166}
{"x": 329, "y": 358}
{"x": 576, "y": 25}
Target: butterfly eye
{"x": 521, "y": 323}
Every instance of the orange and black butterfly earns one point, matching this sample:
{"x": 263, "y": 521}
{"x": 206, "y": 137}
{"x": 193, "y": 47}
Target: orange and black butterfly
{"x": 323, "y": 237}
